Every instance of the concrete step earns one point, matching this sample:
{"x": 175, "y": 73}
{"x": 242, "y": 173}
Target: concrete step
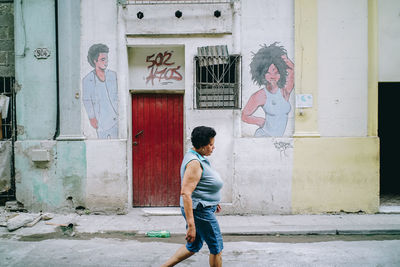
{"x": 389, "y": 209}
{"x": 173, "y": 211}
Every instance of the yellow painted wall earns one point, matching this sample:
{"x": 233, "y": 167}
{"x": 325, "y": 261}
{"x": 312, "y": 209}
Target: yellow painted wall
{"x": 306, "y": 67}
{"x": 332, "y": 174}
{"x": 373, "y": 67}
{"x": 335, "y": 174}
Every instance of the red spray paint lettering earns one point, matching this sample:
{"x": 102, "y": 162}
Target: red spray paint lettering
{"x": 160, "y": 68}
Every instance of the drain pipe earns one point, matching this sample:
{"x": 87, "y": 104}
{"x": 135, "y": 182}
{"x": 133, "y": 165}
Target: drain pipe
{"x": 57, "y": 131}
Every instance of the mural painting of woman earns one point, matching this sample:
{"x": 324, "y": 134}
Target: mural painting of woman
{"x": 272, "y": 70}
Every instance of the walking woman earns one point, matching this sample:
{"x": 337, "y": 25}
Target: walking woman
{"x": 200, "y": 197}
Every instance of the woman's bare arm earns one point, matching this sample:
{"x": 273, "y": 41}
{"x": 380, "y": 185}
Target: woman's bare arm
{"x": 289, "y": 79}
{"x": 256, "y": 100}
{"x": 190, "y": 180}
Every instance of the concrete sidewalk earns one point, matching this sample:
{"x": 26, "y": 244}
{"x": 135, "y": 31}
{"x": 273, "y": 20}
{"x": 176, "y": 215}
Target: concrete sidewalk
{"x": 140, "y": 220}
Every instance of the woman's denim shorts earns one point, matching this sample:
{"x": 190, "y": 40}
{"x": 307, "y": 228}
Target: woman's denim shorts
{"x": 207, "y": 229}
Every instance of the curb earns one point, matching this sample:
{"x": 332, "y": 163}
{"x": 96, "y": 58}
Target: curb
{"x": 141, "y": 233}
{"x": 370, "y": 232}
{"x": 322, "y": 232}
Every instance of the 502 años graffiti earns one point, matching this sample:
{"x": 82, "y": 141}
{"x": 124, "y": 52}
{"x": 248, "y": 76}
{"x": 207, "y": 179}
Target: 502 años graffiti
{"x": 162, "y": 68}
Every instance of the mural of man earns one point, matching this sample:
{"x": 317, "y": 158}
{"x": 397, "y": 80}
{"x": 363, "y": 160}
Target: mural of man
{"x": 100, "y": 93}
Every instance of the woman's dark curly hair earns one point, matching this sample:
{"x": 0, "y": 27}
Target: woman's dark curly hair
{"x": 265, "y": 57}
{"x": 202, "y": 135}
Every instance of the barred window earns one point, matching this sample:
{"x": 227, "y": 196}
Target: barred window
{"x": 7, "y": 112}
{"x": 217, "y": 82}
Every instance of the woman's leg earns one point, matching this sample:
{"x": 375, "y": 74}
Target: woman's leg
{"x": 181, "y": 254}
{"x": 216, "y": 260}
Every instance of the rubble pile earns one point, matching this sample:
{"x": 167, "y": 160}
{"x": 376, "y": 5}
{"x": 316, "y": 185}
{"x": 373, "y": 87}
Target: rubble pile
{"x": 14, "y": 216}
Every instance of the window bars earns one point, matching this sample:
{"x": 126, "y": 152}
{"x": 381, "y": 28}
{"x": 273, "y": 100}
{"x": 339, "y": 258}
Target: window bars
{"x": 217, "y": 82}
{"x": 7, "y": 138}
{"x": 7, "y": 108}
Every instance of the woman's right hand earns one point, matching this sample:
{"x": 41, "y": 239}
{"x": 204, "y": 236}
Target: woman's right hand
{"x": 191, "y": 234}
{"x": 261, "y": 122}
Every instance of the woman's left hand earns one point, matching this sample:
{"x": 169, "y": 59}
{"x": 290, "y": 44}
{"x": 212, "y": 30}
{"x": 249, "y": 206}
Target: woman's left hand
{"x": 218, "y": 208}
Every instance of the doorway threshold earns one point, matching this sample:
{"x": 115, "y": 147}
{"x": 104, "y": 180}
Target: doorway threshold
{"x": 389, "y": 209}
{"x": 390, "y": 203}
{"x": 162, "y": 211}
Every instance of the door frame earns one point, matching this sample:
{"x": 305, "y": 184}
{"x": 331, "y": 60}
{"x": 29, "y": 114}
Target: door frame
{"x": 130, "y": 133}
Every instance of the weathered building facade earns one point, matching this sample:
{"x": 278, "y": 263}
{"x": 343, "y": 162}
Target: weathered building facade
{"x": 109, "y": 91}
{"x": 7, "y": 72}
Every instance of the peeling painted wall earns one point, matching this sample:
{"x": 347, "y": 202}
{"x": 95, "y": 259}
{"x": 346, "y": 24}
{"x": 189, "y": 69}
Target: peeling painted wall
{"x": 106, "y": 185}
{"x": 266, "y": 175}
{"x": 36, "y": 183}
{"x": 263, "y": 175}
{"x": 336, "y": 174}
{"x": 56, "y": 184}
{"x": 5, "y": 166}
{"x": 50, "y": 174}
{"x": 71, "y": 170}
{"x": 36, "y": 108}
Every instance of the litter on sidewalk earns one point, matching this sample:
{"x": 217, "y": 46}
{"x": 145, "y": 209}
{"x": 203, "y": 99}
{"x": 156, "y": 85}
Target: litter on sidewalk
{"x": 14, "y": 216}
{"x": 162, "y": 234}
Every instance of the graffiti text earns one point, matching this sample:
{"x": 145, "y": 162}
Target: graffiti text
{"x": 161, "y": 68}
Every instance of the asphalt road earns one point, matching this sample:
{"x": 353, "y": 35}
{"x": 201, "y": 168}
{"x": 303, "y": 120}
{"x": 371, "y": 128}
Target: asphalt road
{"x": 120, "y": 249}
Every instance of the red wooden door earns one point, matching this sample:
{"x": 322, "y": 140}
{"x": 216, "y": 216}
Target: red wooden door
{"x": 157, "y": 148}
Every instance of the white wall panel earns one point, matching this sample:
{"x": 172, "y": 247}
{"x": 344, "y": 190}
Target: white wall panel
{"x": 342, "y": 67}
{"x": 389, "y": 40}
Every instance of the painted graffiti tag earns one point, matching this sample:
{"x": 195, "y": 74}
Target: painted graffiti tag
{"x": 161, "y": 68}
{"x": 282, "y": 146}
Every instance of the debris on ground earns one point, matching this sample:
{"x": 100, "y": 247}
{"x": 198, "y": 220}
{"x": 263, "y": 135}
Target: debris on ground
{"x": 56, "y": 224}
{"x": 163, "y": 234}
{"x": 14, "y": 216}
{"x": 47, "y": 216}
{"x": 14, "y": 206}
{"x": 23, "y": 219}
{"x": 82, "y": 210}
{"x": 68, "y": 229}
{"x": 35, "y": 221}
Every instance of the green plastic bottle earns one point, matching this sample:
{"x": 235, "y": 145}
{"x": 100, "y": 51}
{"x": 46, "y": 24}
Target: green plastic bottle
{"x": 162, "y": 234}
